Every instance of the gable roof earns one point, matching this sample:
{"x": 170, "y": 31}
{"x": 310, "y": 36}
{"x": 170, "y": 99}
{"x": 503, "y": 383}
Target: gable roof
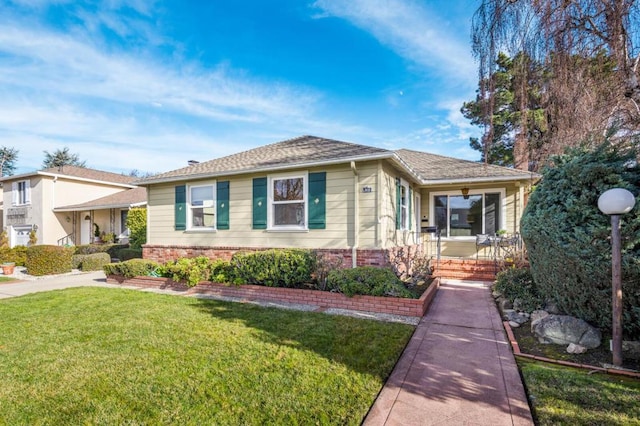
{"x": 79, "y": 173}
{"x": 307, "y": 151}
{"x": 123, "y": 199}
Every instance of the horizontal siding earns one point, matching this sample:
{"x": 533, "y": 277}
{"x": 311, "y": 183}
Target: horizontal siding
{"x": 240, "y": 233}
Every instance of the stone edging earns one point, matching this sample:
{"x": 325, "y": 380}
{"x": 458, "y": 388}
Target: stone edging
{"x": 517, "y": 352}
{"x": 322, "y": 299}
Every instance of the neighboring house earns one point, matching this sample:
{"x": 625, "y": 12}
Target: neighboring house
{"x": 355, "y": 201}
{"x": 64, "y": 204}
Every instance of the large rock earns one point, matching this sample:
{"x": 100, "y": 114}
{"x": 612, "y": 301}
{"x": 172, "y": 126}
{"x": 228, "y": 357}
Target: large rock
{"x": 564, "y": 329}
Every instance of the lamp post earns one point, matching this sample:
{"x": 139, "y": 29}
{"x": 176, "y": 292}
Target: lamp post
{"x": 615, "y": 202}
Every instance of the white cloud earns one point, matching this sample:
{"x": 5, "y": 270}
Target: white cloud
{"x": 411, "y": 30}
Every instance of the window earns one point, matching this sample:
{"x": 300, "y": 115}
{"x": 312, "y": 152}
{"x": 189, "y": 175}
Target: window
{"x": 21, "y": 193}
{"x": 287, "y": 202}
{"x": 202, "y": 207}
{"x": 403, "y": 205}
{"x": 466, "y": 216}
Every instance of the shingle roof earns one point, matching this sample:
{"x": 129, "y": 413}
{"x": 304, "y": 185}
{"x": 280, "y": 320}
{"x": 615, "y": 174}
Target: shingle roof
{"x": 287, "y": 154}
{"x": 306, "y": 150}
{"x": 118, "y": 200}
{"x": 432, "y": 167}
{"x": 79, "y": 173}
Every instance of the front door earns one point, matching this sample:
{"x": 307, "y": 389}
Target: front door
{"x": 85, "y": 228}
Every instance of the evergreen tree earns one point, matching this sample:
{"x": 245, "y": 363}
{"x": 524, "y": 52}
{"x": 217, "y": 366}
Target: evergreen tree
{"x": 61, "y": 157}
{"x": 8, "y": 158}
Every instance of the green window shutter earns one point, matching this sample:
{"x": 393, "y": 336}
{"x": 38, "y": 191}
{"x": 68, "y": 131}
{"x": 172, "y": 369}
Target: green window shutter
{"x": 317, "y": 203}
{"x": 181, "y": 208}
{"x": 260, "y": 203}
{"x": 222, "y": 205}
{"x": 398, "y": 207}
{"x": 409, "y": 218}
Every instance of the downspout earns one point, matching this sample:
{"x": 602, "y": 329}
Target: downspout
{"x": 356, "y": 222}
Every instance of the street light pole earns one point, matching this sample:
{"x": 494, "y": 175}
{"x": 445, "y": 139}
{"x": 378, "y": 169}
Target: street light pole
{"x": 615, "y": 202}
{"x": 616, "y": 290}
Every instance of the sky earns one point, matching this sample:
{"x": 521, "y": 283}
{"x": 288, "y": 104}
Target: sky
{"x": 147, "y": 85}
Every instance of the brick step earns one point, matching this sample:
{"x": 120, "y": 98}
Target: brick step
{"x": 477, "y": 270}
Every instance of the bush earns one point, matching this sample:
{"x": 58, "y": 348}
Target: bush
{"x": 367, "y": 280}
{"x": 274, "y": 268}
{"x": 128, "y": 253}
{"x": 515, "y": 283}
{"x": 132, "y": 268}
{"x": 221, "y": 271}
{"x": 90, "y": 262}
{"x": 137, "y": 224}
{"x": 568, "y": 238}
{"x": 17, "y": 255}
{"x": 111, "y": 249}
{"x": 189, "y": 270}
{"x": 47, "y": 260}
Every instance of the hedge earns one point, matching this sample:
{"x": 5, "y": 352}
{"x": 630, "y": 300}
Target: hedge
{"x": 132, "y": 268}
{"x": 48, "y": 260}
{"x": 90, "y": 262}
{"x": 274, "y": 268}
{"x": 367, "y": 280}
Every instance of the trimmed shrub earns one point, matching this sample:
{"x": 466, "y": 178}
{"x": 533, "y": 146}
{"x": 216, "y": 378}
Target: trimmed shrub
{"x": 517, "y": 283}
{"x": 90, "y": 262}
{"x": 367, "y": 280}
{"x": 221, "y": 271}
{"x": 568, "y": 238}
{"x": 17, "y": 255}
{"x": 189, "y": 270}
{"x": 111, "y": 249}
{"x": 274, "y": 268}
{"x": 48, "y": 260}
{"x": 132, "y": 268}
{"x": 128, "y": 253}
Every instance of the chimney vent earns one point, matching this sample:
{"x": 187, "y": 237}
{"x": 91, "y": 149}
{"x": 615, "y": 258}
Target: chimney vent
{"x": 193, "y": 162}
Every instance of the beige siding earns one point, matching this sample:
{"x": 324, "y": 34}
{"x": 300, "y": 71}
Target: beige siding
{"x": 339, "y": 219}
{"x": 391, "y": 237}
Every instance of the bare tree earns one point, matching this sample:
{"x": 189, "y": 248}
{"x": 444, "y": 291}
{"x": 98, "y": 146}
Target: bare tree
{"x": 589, "y": 49}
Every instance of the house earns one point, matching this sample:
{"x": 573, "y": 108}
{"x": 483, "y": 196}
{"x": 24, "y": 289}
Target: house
{"x": 358, "y": 202}
{"x": 65, "y": 204}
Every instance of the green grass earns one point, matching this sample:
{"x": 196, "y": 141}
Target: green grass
{"x": 115, "y": 356}
{"x": 569, "y": 396}
{"x": 6, "y": 279}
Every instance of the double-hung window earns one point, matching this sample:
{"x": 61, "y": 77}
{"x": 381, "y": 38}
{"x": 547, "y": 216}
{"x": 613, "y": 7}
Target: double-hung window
{"x": 202, "y": 206}
{"x": 404, "y": 205}
{"x": 287, "y": 202}
{"x": 479, "y": 212}
{"x": 21, "y": 193}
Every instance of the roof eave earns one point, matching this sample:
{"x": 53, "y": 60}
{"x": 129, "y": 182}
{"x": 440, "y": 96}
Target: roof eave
{"x": 532, "y": 177}
{"x": 71, "y": 177}
{"x": 372, "y": 157}
{"x": 99, "y": 207}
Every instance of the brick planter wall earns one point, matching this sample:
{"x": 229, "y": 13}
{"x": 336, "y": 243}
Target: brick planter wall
{"x": 365, "y": 257}
{"x": 322, "y": 299}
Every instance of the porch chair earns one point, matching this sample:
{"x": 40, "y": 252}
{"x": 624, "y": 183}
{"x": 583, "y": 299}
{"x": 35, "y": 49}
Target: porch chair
{"x": 483, "y": 242}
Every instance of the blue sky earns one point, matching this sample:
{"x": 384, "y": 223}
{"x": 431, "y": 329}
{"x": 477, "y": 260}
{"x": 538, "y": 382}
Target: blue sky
{"x": 148, "y": 85}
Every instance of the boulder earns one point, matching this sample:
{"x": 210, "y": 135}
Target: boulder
{"x": 504, "y": 304}
{"x": 576, "y": 349}
{"x": 551, "y": 307}
{"x": 631, "y": 349}
{"x": 514, "y": 324}
{"x": 537, "y": 316}
{"x": 513, "y": 316}
{"x": 565, "y": 329}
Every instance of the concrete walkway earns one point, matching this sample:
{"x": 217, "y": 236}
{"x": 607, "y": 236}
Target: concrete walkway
{"x": 58, "y": 282}
{"x": 458, "y": 368}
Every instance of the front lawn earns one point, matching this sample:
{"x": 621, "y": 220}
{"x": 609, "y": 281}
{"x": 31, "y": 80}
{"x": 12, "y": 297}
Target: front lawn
{"x": 106, "y": 356}
{"x": 570, "y": 396}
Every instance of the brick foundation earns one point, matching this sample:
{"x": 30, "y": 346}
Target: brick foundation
{"x": 322, "y": 299}
{"x": 365, "y": 257}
